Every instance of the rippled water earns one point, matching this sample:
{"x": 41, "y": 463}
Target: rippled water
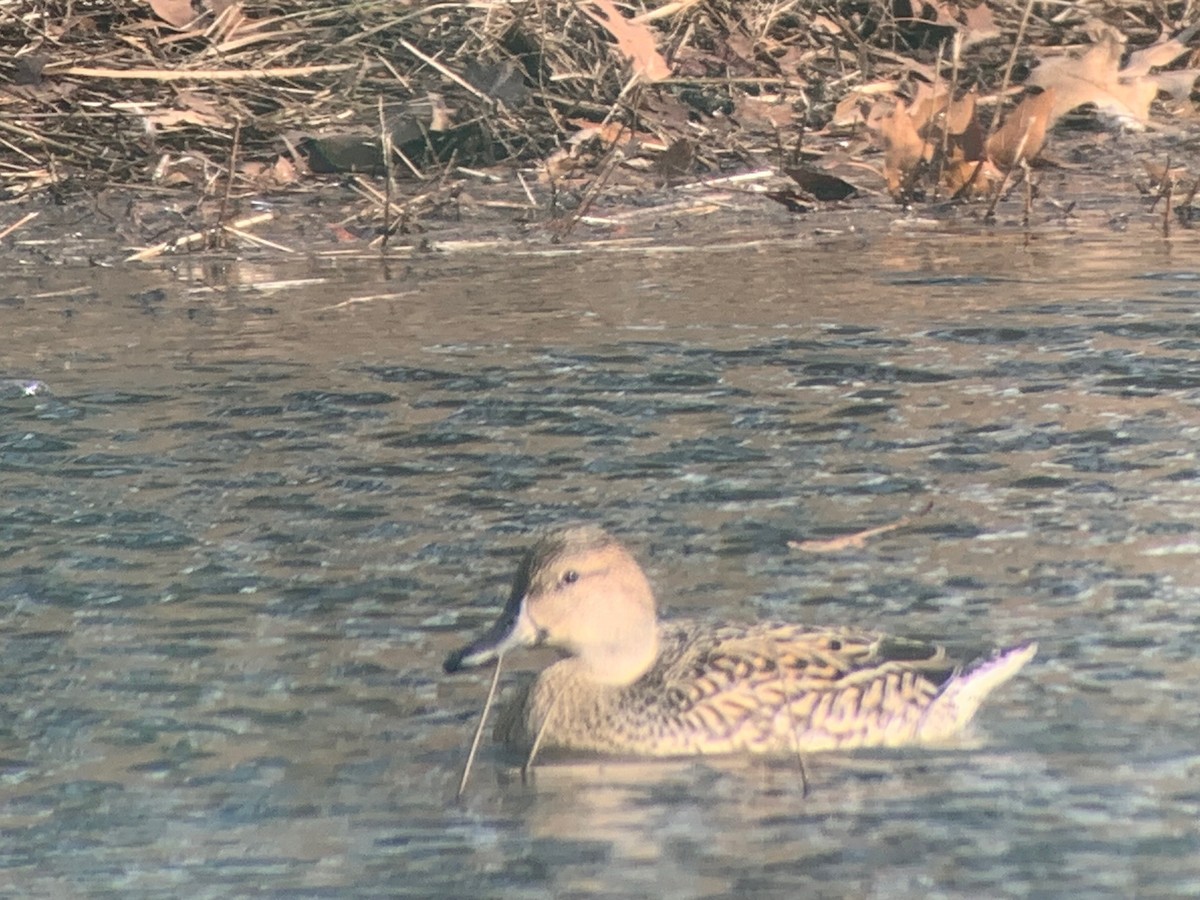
{"x": 250, "y": 516}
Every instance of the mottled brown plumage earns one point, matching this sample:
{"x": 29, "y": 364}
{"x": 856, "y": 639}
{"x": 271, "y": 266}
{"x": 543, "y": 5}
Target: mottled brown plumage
{"x": 632, "y": 685}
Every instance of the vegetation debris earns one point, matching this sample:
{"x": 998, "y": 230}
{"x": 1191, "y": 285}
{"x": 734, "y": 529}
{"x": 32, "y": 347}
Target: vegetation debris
{"x": 565, "y": 101}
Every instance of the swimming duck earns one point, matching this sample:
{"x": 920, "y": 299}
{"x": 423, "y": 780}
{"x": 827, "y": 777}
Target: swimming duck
{"x": 632, "y": 685}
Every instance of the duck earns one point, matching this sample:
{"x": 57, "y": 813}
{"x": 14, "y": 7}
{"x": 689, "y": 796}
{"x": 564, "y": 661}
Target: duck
{"x": 630, "y": 684}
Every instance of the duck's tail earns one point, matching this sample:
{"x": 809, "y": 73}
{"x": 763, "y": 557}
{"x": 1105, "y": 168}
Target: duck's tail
{"x": 962, "y": 694}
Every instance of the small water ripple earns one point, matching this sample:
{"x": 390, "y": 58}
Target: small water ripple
{"x": 230, "y": 578}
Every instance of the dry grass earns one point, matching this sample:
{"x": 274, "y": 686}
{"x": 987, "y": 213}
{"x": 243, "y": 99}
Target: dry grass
{"x": 149, "y": 94}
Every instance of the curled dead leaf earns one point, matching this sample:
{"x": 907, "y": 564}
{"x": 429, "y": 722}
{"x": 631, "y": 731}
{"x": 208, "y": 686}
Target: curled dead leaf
{"x": 753, "y": 112}
{"x": 634, "y": 39}
{"x": 960, "y": 113}
{"x": 1024, "y": 130}
{"x": 941, "y": 120}
{"x": 1097, "y": 78}
{"x": 851, "y": 109}
{"x": 1162, "y": 52}
{"x": 176, "y": 13}
{"x": 975, "y": 25}
{"x": 903, "y": 151}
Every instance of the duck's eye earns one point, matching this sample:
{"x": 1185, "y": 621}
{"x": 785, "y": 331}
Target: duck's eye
{"x": 569, "y": 577}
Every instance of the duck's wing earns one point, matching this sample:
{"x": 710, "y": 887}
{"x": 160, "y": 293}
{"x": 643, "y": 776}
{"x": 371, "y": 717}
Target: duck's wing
{"x": 781, "y": 687}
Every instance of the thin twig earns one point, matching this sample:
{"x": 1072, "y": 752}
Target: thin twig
{"x": 199, "y": 74}
{"x": 991, "y": 210}
{"x": 537, "y": 740}
{"x": 230, "y": 171}
{"x": 256, "y": 240}
{"x": 1027, "y": 174}
{"x": 196, "y": 239}
{"x": 1168, "y": 188}
{"x": 528, "y": 192}
{"x": 389, "y": 175}
{"x": 396, "y": 151}
{"x": 994, "y": 123}
{"x": 487, "y": 705}
{"x": 955, "y": 58}
{"x": 1008, "y": 69}
{"x": 858, "y": 539}
{"x": 20, "y": 223}
{"x": 590, "y": 196}
{"x": 453, "y": 76}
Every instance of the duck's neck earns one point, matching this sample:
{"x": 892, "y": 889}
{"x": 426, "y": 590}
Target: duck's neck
{"x": 622, "y": 660}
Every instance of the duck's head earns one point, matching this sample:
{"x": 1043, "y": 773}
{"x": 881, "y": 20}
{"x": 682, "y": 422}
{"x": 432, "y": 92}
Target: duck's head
{"x": 581, "y": 591}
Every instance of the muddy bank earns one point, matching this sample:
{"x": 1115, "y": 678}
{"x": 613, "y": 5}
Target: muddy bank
{"x": 163, "y": 128}
{"x": 1083, "y": 192}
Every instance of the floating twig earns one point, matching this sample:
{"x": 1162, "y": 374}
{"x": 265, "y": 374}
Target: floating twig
{"x": 858, "y": 539}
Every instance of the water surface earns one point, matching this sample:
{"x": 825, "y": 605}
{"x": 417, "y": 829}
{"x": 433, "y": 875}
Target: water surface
{"x": 257, "y": 506}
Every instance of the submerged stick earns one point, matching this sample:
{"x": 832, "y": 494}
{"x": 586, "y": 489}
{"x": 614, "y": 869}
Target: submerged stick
{"x": 487, "y": 705}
